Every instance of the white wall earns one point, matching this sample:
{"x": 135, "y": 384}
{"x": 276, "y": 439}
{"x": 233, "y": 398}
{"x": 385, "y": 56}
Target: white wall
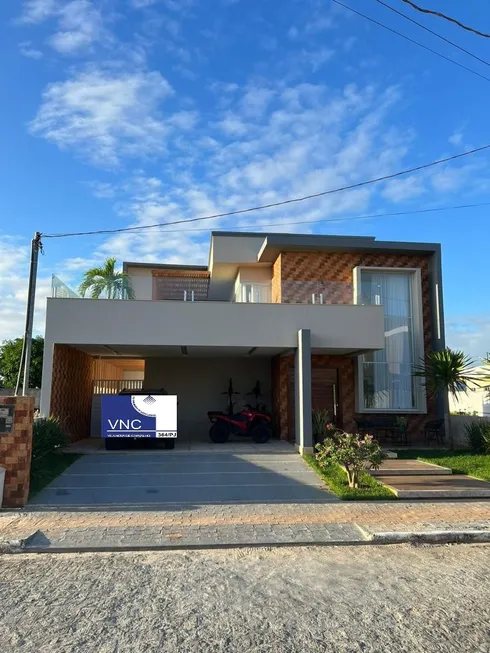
{"x": 458, "y": 432}
{"x": 212, "y": 324}
{"x": 199, "y": 382}
{"x": 141, "y": 281}
{"x": 475, "y": 400}
{"x": 256, "y": 274}
{"x": 236, "y": 249}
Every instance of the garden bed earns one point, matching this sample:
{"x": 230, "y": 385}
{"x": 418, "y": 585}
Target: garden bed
{"x": 336, "y": 480}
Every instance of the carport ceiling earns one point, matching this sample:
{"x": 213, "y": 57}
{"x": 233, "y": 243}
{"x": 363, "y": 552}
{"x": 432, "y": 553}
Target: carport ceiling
{"x": 151, "y": 351}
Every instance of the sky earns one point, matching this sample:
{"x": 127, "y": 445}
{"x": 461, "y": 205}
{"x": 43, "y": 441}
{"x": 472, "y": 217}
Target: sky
{"x": 117, "y": 113}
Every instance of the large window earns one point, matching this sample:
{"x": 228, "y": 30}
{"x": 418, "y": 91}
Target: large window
{"x": 386, "y": 376}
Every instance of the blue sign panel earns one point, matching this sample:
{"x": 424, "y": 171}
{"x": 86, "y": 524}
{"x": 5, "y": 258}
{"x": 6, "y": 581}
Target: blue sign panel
{"x": 139, "y": 416}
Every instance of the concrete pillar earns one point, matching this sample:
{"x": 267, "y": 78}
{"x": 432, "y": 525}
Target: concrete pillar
{"x": 304, "y": 431}
{"x": 45, "y": 401}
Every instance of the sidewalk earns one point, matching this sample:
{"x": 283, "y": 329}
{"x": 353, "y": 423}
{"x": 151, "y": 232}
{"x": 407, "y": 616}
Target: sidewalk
{"x": 178, "y": 526}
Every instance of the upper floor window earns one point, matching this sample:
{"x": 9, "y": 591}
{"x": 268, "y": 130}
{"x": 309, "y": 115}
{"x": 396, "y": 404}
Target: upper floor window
{"x": 256, "y": 293}
{"x": 386, "y": 380}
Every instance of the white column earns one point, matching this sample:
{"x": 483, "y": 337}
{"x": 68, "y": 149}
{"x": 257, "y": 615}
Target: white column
{"x": 45, "y": 401}
{"x": 304, "y": 431}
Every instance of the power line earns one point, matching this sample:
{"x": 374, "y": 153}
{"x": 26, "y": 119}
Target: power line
{"x": 449, "y": 18}
{"x": 439, "y": 36}
{"x": 275, "y": 204}
{"x": 407, "y": 38}
{"x": 345, "y": 219}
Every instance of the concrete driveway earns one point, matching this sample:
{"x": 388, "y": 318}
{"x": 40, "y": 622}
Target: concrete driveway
{"x": 137, "y": 479}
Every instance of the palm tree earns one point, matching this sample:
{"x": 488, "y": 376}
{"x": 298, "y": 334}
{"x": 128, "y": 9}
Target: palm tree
{"x": 446, "y": 372}
{"x": 106, "y": 282}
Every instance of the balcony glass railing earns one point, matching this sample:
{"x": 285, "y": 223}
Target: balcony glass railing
{"x": 317, "y": 292}
{"x": 253, "y": 293}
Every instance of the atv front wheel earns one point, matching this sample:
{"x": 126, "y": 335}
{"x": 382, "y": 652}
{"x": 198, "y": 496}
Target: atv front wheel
{"x": 219, "y": 432}
{"x": 260, "y": 433}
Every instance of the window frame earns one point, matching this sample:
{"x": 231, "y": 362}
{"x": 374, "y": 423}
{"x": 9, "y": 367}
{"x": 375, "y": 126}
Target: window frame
{"x": 420, "y": 396}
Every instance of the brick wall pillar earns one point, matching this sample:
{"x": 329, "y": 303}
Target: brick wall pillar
{"x": 71, "y": 390}
{"x": 16, "y": 450}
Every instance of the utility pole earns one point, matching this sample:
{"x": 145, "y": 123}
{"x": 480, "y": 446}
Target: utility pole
{"x": 25, "y": 360}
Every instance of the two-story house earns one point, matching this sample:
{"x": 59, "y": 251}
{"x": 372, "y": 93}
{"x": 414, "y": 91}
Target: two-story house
{"x": 331, "y": 322}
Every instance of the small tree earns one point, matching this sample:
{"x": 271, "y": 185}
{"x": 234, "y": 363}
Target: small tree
{"x": 356, "y": 453}
{"x": 447, "y": 372}
{"x": 106, "y": 282}
{"x": 10, "y": 354}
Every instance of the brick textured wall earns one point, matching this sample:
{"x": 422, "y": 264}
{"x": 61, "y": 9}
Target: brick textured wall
{"x": 279, "y": 395}
{"x": 16, "y": 450}
{"x": 276, "y": 281}
{"x": 71, "y": 390}
{"x": 296, "y": 275}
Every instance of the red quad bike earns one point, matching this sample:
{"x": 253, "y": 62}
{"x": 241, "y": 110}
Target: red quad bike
{"x": 251, "y": 422}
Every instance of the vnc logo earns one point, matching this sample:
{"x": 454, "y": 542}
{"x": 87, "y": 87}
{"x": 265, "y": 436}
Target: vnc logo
{"x": 139, "y": 416}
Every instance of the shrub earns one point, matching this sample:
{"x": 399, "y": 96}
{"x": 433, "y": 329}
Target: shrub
{"x": 354, "y": 452}
{"x": 48, "y": 436}
{"x": 478, "y": 436}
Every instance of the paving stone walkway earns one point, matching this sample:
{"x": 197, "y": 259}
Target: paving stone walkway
{"x": 237, "y": 524}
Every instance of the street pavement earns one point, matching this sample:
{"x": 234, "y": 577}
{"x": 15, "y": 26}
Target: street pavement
{"x": 393, "y": 599}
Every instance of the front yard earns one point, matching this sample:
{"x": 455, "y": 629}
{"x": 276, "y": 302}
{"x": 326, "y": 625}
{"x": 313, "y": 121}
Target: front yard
{"x": 370, "y": 489}
{"x": 461, "y": 462}
{"x": 336, "y": 479}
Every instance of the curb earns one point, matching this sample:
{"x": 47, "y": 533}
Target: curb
{"x": 17, "y": 546}
{"x": 429, "y": 537}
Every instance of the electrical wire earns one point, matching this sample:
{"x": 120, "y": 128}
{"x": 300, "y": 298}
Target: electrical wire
{"x": 344, "y": 219}
{"x": 407, "y": 38}
{"x": 274, "y": 204}
{"x": 439, "y": 36}
{"x": 449, "y": 18}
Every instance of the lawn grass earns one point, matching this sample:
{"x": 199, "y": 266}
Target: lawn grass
{"x": 48, "y": 468}
{"x": 461, "y": 462}
{"x": 336, "y": 479}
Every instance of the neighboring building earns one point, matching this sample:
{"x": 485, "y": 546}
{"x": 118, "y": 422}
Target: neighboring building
{"x": 474, "y": 402}
{"x": 321, "y": 321}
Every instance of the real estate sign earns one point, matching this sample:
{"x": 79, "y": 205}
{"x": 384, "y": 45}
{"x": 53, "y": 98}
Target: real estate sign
{"x": 139, "y": 416}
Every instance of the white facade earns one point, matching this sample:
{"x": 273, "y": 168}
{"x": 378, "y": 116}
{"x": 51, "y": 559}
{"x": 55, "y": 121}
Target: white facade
{"x": 475, "y": 402}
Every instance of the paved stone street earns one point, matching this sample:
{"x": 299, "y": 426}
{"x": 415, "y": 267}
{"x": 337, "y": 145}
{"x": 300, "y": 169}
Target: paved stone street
{"x": 241, "y": 523}
{"x": 344, "y": 599}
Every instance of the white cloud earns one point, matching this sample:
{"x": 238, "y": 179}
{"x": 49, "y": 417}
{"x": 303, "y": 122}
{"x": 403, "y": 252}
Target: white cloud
{"x": 27, "y": 50}
{"x": 471, "y": 333}
{"x": 105, "y": 115}
{"x": 400, "y": 190}
{"x": 316, "y": 58}
{"x": 13, "y": 289}
{"x": 37, "y": 11}
{"x": 142, "y": 4}
{"x": 233, "y": 125}
{"x": 256, "y": 100}
{"x": 79, "y": 25}
{"x": 456, "y": 138}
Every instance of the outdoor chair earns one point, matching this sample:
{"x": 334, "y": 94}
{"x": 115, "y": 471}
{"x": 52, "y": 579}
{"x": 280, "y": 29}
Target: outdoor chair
{"x": 434, "y": 431}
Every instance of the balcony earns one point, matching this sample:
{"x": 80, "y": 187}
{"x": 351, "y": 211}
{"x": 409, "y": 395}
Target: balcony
{"x": 178, "y": 324}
